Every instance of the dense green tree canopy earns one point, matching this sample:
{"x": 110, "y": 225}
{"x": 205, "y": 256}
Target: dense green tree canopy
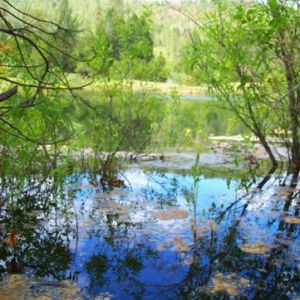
{"x": 248, "y": 55}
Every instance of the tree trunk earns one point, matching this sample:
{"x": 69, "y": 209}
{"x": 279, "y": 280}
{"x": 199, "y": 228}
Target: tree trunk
{"x": 294, "y": 107}
{"x": 254, "y": 127}
{"x": 268, "y": 149}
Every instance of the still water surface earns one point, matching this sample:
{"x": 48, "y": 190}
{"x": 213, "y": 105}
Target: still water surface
{"x": 164, "y": 236}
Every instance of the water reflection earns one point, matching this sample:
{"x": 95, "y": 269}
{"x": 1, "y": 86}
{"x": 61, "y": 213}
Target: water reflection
{"x": 172, "y": 235}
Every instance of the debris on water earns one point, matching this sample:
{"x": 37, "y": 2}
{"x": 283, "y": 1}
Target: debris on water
{"x": 180, "y": 245}
{"x": 113, "y": 182}
{"x": 230, "y": 284}
{"x": 169, "y": 214}
{"x": 292, "y": 220}
{"x": 15, "y": 288}
{"x": 12, "y": 239}
{"x": 256, "y": 248}
{"x": 284, "y": 191}
{"x": 162, "y": 246}
{"x": 69, "y": 291}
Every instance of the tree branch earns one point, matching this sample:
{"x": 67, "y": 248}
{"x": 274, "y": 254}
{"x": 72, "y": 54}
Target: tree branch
{"x": 9, "y": 93}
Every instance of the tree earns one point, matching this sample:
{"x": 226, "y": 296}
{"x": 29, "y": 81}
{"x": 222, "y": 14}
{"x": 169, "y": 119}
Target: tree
{"x": 30, "y": 71}
{"x": 132, "y": 46}
{"x": 248, "y": 56}
{"x": 121, "y": 120}
{"x": 136, "y": 39}
{"x": 66, "y": 39}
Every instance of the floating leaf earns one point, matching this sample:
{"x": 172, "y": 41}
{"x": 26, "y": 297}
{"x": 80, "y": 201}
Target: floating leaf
{"x": 284, "y": 191}
{"x": 180, "y": 245}
{"x": 256, "y": 248}
{"x": 172, "y": 213}
{"x": 229, "y": 284}
{"x": 162, "y": 246}
{"x": 12, "y": 239}
{"x": 69, "y": 291}
{"x": 291, "y": 220}
{"x": 16, "y": 288}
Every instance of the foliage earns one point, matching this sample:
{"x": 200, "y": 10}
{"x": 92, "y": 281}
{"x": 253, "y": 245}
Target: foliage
{"x": 188, "y": 124}
{"x": 32, "y": 78}
{"x": 66, "y": 39}
{"x": 118, "y": 120}
{"x": 248, "y": 56}
{"x": 123, "y": 46}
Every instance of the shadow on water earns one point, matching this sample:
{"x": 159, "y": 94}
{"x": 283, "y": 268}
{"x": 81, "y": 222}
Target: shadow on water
{"x": 200, "y": 234}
